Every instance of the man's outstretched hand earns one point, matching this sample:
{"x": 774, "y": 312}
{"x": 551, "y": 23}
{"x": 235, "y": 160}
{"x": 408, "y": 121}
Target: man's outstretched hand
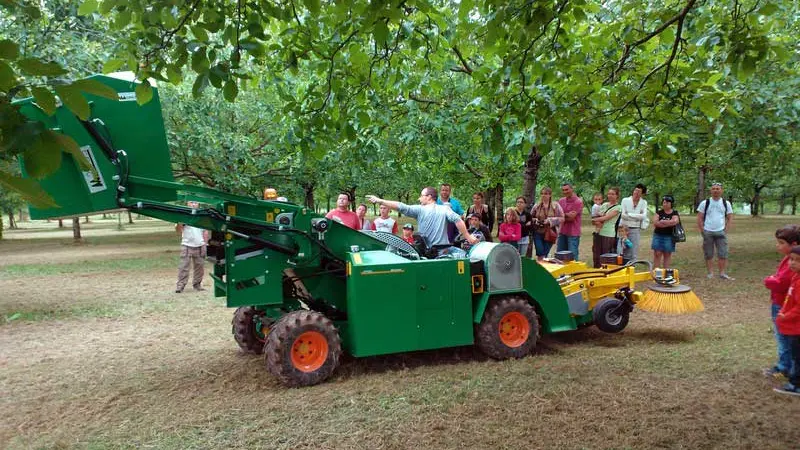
{"x": 373, "y": 199}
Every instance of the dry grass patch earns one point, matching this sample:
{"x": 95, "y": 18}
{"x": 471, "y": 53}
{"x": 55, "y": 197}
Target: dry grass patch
{"x": 162, "y": 371}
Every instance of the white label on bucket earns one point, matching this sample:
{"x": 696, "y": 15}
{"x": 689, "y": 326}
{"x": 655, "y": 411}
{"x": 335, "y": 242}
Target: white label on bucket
{"x": 93, "y": 177}
{"x": 127, "y": 96}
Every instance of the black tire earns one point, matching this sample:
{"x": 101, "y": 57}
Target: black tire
{"x": 611, "y": 315}
{"x": 492, "y": 339}
{"x": 283, "y": 340}
{"x": 245, "y": 329}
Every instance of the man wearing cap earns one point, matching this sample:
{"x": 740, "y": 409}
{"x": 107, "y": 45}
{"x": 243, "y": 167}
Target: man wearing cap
{"x": 432, "y": 220}
{"x": 408, "y": 232}
{"x": 714, "y": 217}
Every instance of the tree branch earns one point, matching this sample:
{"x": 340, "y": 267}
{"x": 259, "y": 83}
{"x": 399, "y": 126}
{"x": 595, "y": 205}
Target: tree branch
{"x": 466, "y": 68}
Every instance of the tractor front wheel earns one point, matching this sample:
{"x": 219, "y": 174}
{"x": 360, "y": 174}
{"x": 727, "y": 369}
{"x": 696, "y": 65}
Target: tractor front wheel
{"x": 250, "y": 329}
{"x": 303, "y": 348}
{"x": 509, "y": 328}
{"x": 611, "y": 315}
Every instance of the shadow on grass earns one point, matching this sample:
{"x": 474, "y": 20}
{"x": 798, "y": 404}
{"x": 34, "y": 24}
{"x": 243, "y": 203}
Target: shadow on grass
{"x": 548, "y": 345}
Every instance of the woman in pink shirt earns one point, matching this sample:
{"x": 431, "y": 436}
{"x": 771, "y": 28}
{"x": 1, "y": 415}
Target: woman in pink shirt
{"x": 510, "y": 230}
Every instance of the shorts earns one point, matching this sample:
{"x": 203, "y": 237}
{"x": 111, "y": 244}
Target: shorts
{"x": 663, "y": 243}
{"x": 715, "y": 240}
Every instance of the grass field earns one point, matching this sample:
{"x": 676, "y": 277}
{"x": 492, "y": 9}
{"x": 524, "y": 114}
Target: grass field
{"x": 97, "y": 351}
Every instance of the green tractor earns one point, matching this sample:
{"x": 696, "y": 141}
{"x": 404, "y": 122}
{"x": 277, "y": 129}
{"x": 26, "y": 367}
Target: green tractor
{"x": 307, "y": 288}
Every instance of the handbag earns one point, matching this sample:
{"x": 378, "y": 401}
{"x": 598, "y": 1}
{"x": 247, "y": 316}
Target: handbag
{"x": 550, "y": 234}
{"x": 678, "y": 233}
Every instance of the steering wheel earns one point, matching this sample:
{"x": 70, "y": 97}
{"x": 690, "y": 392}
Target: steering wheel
{"x": 461, "y": 242}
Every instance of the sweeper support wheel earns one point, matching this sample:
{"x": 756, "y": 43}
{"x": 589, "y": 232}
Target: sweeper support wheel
{"x": 303, "y": 348}
{"x": 250, "y": 329}
{"x": 509, "y": 328}
{"x": 611, "y": 315}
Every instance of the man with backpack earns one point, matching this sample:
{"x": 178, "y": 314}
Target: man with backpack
{"x": 714, "y": 216}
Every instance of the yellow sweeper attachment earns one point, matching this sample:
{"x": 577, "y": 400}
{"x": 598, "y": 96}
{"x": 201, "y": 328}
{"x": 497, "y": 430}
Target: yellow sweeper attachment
{"x": 666, "y": 295}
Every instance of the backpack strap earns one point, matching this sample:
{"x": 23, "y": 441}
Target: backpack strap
{"x": 705, "y": 212}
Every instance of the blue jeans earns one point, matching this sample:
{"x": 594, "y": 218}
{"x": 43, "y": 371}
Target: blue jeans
{"x": 794, "y": 350}
{"x": 570, "y": 243}
{"x": 542, "y": 247}
{"x": 784, "y": 364}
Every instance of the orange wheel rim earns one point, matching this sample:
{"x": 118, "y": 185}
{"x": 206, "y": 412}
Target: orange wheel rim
{"x": 309, "y": 351}
{"x": 514, "y": 329}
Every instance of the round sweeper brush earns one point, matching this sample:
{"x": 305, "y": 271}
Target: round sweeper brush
{"x": 670, "y": 299}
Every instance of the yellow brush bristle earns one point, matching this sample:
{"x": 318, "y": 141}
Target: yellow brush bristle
{"x": 670, "y": 302}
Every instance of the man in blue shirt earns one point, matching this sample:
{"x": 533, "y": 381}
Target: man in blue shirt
{"x": 431, "y": 220}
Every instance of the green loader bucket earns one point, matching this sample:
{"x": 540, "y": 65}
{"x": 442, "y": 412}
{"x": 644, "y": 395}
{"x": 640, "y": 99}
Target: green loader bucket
{"x": 138, "y": 130}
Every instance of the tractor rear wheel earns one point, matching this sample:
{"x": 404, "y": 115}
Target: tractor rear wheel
{"x": 303, "y": 348}
{"x": 509, "y": 328}
{"x": 611, "y": 315}
{"x": 250, "y": 329}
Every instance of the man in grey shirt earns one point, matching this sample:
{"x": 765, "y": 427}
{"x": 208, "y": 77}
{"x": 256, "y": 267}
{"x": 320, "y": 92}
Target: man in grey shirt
{"x": 431, "y": 220}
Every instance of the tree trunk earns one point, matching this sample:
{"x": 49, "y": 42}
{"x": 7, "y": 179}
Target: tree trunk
{"x": 782, "y": 202}
{"x": 756, "y": 203}
{"x": 794, "y": 204}
{"x": 23, "y": 216}
{"x": 12, "y": 224}
{"x": 76, "y": 228}
{"x": 657, "y": 200}
{"x": 1, "y": 227}
{"x": 86, "y": 219}
{"x": 351, "y": 191}
{"x": 105, "y": 216}
{"x": 60, "y": 223}
{"x": 490, "y": 197}
{"x": 498, "y": 213}
{"x": 530, "y": 176}
{"x": 762, "y": 208}
{"x": 702, "y": 173}
{"x": 308, "y": 195}
{"x": 329, "y": 202}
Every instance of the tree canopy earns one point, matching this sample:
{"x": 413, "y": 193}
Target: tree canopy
{"x": 389, "y": 95}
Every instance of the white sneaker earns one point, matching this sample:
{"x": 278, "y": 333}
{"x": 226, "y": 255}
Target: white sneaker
{"x": 710, "y": 275}
{"x": 725, "y": 276}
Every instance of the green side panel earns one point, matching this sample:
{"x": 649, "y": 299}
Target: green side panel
{"x": 397, "y": 305}
{"x": 544, "y": 289}
{"x": 252, "y": 278}
{"x": 138, "y": 130}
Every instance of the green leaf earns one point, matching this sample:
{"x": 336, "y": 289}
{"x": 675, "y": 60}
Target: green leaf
{"x": 8, "y": 49}
{"x": 768, "y": 9}
{"x": 708, "y": 107}
{"x": 97, "y": 88}
{"x": 112, "y": 65}
{"x": 200, "y": 33}
{"x": 174, "y": 75}
{"x": 381, "y": 32}
{"x": 43, "y": 158}
{"x": 712, "y": 80}
{"x": 231, "y": 90}
{"x": 144, "y": 92}
{"x": 200, "y": 83}
{"x": 45, "y": 99}
{"x": 313, "y": 6}
{"x": 87, "y": 7}
{"x": 8, "y": 78}
{"x": 68, "y": 145}
{"x": 74, "y": 100}
{"x": 39, "y": 68}
{"x": 28, "y": 189}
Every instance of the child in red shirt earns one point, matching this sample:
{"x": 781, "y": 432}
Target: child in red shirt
{"x": 778, "y": 285}
{"x": 788, "y": 323}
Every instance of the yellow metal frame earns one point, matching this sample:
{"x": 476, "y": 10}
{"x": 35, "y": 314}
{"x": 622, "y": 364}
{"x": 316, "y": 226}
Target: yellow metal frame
{"x": 597, "y": 283}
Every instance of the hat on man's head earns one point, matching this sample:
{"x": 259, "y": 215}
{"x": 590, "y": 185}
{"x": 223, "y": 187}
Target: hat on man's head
{"x": 716, "y": 183}
{"x": 408, "y": 226}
